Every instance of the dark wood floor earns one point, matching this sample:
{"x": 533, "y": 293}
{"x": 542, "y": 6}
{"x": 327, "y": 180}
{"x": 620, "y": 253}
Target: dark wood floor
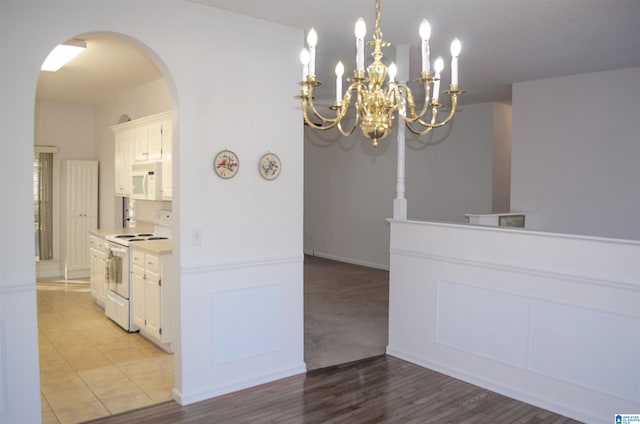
{"x": 382, "y": 389}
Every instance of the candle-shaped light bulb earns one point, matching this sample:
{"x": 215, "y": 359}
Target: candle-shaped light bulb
{"x": 425, "y": 34}
{"x": 312, "y": 41}
{"x": 438, "y": 66}
{"x": 304, "y": 59}
{"x": 456, "y": 47}
{"x": 360, "y": 32}
{"x": 339, "y": 74}
{"x": 393, "y": 71}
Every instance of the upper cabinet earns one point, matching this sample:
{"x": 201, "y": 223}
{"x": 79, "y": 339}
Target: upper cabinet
{"x": 143, "y": 140}
{"x": 167, "y": 161}
{"x": 123, "y": 160}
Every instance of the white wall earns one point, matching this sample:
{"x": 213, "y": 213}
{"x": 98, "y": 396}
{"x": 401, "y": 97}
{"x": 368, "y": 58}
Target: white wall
{"x": 70, "y": 128}
{"x": 575, "y": 151}
{"x": 350, "y": 187}
{"x": 349, "y": 190}
{"x": 249, "y": 225}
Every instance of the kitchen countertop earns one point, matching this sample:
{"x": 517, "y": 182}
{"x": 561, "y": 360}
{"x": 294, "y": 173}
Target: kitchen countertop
{"x": 158, "y": 247}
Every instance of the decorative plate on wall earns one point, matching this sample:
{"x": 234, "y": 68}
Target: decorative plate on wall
{"x": 269, "y": 166}
{"x": 226, "y": 164}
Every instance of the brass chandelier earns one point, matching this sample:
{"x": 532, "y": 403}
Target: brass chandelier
{"x": 377, "y": 97}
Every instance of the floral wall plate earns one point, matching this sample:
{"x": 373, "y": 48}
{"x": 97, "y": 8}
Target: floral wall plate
{"x": 226, "y": 164}
{"x": 269, "y": 166}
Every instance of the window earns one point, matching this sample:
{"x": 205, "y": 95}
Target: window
{"x": 43, "y": 204}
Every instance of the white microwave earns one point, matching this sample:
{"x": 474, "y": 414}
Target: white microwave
{"x": 146, "y": 180}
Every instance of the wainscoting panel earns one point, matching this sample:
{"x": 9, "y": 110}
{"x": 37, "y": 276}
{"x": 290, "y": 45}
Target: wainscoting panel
{"x": 483, "y": 322}
{"x": 567, "y": 341}
{"x": 3, "y": 367}
{"x": 247, "y": 320}
{"x": 244, "y": 326}
{"x": 549, "y": 319}
{"x": 19, "y": 368}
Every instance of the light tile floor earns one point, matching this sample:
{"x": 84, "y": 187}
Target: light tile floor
{"x": 90, "y": 367}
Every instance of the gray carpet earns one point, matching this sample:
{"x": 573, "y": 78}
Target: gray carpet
{"x": 346, "y": 312}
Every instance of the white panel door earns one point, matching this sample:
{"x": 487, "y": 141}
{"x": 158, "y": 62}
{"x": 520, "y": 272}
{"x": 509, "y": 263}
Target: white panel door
{"x": 81, "y": 215}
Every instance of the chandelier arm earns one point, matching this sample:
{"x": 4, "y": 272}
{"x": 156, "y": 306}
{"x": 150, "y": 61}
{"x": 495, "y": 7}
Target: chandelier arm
{"x": 417, "y": 132}
{"x": 428, "y": 126}
{"x": 433, "y": 124}
{"x": 412, "y": 116}
{"x": 332, "y": 121}
{"x": 348, "y": 133}
{"x": 346, "y": 102}
{"x": 309, "y": 122}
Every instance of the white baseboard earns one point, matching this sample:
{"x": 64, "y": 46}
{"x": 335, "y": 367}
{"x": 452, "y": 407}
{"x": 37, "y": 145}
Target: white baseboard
{"x": 76, "y": 274}
{"x": 48, "y": 269}
{"x": 186, "y": 399}
{"x": 346, "y": 260}
{"x": 494, "y": 386}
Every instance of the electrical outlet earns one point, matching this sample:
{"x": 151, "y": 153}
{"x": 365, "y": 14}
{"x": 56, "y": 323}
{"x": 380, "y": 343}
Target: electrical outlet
{"x": 196, "y": 237}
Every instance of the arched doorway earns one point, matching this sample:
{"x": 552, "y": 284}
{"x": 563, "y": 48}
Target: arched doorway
{"x": 88, "y": 366}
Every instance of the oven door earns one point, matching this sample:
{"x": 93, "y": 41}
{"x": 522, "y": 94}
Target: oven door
{"x": 117, "y": 269}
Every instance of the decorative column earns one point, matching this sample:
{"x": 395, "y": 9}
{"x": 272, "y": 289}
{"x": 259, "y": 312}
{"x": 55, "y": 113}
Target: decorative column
{"x": 400, "y": 203}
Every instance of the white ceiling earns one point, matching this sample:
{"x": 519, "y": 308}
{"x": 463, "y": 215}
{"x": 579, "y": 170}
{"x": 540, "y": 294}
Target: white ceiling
{"x": 504, "y": 41}
{"x": 107, "y": 66}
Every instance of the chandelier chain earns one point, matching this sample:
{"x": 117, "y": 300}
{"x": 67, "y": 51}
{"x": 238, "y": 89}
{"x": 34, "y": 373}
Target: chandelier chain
{"x": 377, "y": 35}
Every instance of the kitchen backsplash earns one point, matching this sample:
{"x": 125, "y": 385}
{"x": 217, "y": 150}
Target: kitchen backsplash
{"x": 145, "y": 210}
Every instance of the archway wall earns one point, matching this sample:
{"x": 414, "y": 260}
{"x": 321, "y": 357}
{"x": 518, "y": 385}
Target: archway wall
{"x": 232, "y": 80}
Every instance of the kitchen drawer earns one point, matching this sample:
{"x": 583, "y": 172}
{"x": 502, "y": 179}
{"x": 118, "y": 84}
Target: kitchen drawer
{"x": 153, "y": 263}
{"x": 137, "y": 258}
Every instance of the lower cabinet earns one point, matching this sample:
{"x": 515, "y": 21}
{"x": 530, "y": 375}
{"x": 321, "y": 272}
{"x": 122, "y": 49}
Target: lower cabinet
{"x": 149, "y": 303}
{"x": 98, "y": 282}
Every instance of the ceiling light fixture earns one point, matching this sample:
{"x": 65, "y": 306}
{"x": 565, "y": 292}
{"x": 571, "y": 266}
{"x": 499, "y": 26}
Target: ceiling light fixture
{"x": 376, "y": 98}
{"x": 62, "y": 54}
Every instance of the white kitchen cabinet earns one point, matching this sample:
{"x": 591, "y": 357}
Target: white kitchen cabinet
{"x": 141, "y": 140}
{"x": 150, "y": 305}
{"x": 124, "y": 151}
{"x": 98, "y": 282}
{"x": 167, "y": 160}
{"x": 147, "y": 139}
{"x": 81, "y": 215}
{"x": 138, "y": 288}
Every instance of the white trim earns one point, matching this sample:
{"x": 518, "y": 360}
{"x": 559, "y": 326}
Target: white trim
{"x": 518, "y": 269}
{"x": 348, "y": 260}
{"x": 517, "y": 230}
{"x": 559, "y": 408}
{"x": 214, "y": 267}
{"x": 186, "y": 399}
{"x": 48, "y": 269}
{"x": 17, "y": 288}
{"x": 45, "y": 149}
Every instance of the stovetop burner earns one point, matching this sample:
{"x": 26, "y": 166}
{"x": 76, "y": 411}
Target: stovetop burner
{"x": 125, "y": 239}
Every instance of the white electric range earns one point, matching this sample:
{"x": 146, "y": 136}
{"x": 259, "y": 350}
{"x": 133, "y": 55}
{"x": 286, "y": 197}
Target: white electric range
{"x": 117, "y": 275}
